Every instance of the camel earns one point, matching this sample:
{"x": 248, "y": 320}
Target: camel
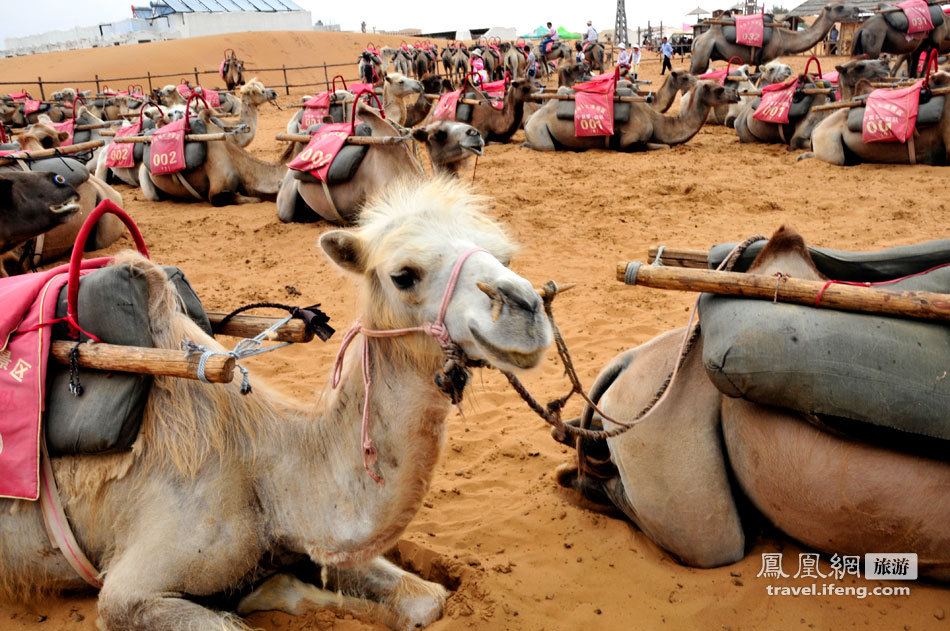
{"x": 31, "y": 204}
{"x": 569, "y": 74}
{"x": 673, "y": 474}
{"x": 500, "y": 125}
{"x": 798, "y": 133}
{"x": 773, "y": 72}
{"x": 451, "y": 144}
{"x": 646, "y": 128}
{"x": 459, "y": 65}
{"x": 594, "y": 56}
{"x": 677, "y": 81}
{"x": 727, "y": 114}
{"x": 169, "y": 96}
{"x": 713, "y": 44}
{"x": 833, "y": 141}
{"x": 876, "y": 36}
{"x": 263, "y": 474}
{"x": 153, "y": 117}
{"x": 91, "y": 190}
{"x": 423, "y": 62}
{"x": 303, "y": 198}
{"x": 399, "y": 58}
{"x": 513, "y": 59}
{"x": 396, "y": 91}
{"x": 417, "y": 111}
{"x": 229, "y": 175}
{"x": 232, "y": 70}
{"x": 446, "y": 57}
{"x": 371, "y": 67}
{"x": 253, "y": 94}
{"x": 556, "y": 51}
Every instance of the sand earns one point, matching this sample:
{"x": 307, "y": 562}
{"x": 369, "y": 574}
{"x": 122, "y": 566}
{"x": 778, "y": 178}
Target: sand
{"x": 520, "y": 552}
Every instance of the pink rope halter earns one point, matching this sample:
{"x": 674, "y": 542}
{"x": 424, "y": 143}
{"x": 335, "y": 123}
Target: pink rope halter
{"x": 436, "y": 329}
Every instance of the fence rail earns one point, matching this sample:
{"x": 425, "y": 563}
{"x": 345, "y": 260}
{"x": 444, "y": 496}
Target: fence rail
{"x": 99, "y": 82}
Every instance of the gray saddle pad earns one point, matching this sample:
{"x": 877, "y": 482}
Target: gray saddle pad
{"x": 929, "y": 113}
{"x": 565, "y": 109}
{"x": 897, "y": 20}
{"x": 869, "y": 267}
{"x": 463, "y": 111}
{"x": 195, "y": 152}
{"x": 74, "y": 171}
{"x": 113, "y": 306}
{"x": 729, "y": 32}
{"x": 346, "y": 162}
{"x": 890, "y": 373}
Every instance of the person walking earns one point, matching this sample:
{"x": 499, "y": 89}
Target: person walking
{"x": 666, "y": 49}
{"x": 532, "y": 65}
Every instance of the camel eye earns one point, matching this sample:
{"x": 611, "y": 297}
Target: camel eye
{"x": 59, "y": 179}
{"x": 405, "y": 279}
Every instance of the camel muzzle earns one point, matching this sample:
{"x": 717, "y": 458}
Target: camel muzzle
{"x": 68, "y": 207}
{"x": 473, "y": 142}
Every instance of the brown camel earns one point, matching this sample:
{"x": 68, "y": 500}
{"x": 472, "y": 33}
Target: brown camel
{"x": 719, "y": 41}
{"x": 232, "y": 69}
{"x": 513, "y": 59}
{"x": 556, "y": 51}
{"x": 673, "y": 473}
{"x": 303, "y": 198}
{"x": 740, "y": 79}
{"x": 500, "y": 125}
{"x": 229, "y": 175}
{"x": 877, "y": 35}
{"x": 677, "y": 81}
{"x": 253, "y": 94}
{"x": 833, "y": 140}
{"x": 219, "y": 485}
{"x": 451, "y": 144}
{"x": 569, "y": 74}
{"x": 645, "y": 129}
{"x": 59, "y": 241}
{"x": 459, "y": 65}
{"x": 594, "y": 56}
{"x": 417, "y": 111}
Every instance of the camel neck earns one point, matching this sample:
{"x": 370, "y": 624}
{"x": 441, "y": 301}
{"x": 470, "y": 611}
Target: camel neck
{"x": 323, "y": 459}
{"x": 675, "y": 130}
{"x": 799, "y": 41}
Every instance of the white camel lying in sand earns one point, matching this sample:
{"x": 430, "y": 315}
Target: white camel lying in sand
{"x": 218, "y": 482}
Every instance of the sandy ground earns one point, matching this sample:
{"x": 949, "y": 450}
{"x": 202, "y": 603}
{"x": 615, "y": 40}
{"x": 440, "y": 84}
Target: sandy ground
{"x": 520, "y": 552}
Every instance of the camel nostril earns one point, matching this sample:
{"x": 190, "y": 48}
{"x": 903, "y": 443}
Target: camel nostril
{"x": 520, "y": 295}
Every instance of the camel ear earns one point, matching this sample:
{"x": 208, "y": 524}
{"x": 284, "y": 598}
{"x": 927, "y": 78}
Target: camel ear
{"x": 344, "y": 249}
{"x": 420, "y": 134}
{"x": 389, "y": 79}
{"x": 62, "y": 135}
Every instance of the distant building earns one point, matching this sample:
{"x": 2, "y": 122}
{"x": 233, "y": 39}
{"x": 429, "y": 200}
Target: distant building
{"x": 171, "y": 19}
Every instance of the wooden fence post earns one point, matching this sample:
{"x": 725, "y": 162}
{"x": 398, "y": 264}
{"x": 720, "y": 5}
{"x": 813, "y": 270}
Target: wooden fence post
{"x": 326, "y": 77}
{"x": 286, "y": 86}
{"x": 149, "y": 74}
{"x": 197, "y": 83}
{"x": 39, "y": 81}
{"x": 97, "y": 85}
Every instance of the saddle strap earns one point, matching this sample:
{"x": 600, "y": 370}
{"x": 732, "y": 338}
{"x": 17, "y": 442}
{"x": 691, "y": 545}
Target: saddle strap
{"x": 326, "y": 191}
{"x": 911, "y": 150}
{"x": 188, "y": 187}
{"x": 57, "y": 526}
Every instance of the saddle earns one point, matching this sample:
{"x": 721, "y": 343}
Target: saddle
{"x": 565, "y": 109}
{"x": 928, "y": 114}
{"x": 729, "y": 30}
{"x": 195, "y": 152}
{"x": 346, "y": 162}
{"x": 107, "y": 417}
{"x": 898, "y": 21}
{"x": 801, "y": 102}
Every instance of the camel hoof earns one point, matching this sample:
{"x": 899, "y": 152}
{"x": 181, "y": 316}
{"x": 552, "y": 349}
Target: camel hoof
{"x": 805, "y": 156}
{"x": 589, "y": 489}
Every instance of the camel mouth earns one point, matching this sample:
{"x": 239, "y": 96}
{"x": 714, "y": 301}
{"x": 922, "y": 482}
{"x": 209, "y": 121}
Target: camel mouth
{"x": 517, "y": 359}
{"x": 66, "y": 208}
{"x": 477, "y": 149}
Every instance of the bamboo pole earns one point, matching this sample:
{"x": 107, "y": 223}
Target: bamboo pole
{"x": 149, "y": 361}
{"x": 922, "y": 305}
{"x": 101, "y": 125}
{"x": 678, "y": 257}
{"x": 48, "y": 153}
{"x": 570, "y": 97}
{"x": 728, "y": 23}
{"x": 805, "y": 91}
{"x": 188, "y": 137}
{"x": 107, "y": 132}
{"x": 862, "y": 102}
{"x": 436, "y": 97}
{"x": 243, "y": 325}
{"x": 350, "y": 140}
{"x": 896, "y": 9}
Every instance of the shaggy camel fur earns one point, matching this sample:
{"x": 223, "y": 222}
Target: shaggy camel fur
{"x": 645, "y": 129}
{"x": 229, "y": 175}
{"x": 671, "y": 474}
{"x": 712, "y": 44}
{"x": 307, "y": 200}
{"x": 219, "y": 484}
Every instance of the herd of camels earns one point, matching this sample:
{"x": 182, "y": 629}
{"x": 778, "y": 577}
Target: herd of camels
{"x": 256, "y": 479}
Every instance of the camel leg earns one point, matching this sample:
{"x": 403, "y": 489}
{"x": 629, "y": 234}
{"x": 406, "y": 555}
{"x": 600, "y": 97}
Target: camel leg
{"x": 147, "y": 186}
{"x": 381, "y": 589}
{"x": 290, "y": 205}
{"x": 827, "y": 142}
{"x": 656, "y": 146}
{"x": 701, "y": 55}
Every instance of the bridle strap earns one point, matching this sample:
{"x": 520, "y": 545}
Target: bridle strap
{"x": 435, "y": 329}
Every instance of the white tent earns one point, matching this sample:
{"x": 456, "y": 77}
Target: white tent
{"x": 503, "y": 33}
{"x": 463, "y": 36}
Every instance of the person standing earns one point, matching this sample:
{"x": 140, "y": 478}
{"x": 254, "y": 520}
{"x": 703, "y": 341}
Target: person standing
{"x": 363, "y": 26}
{"x": 635, "y": 61}
{"x": 579, "y": 53}
{"x": 532, "y": 65}
{"x": 833, "y": 40}
{"x": 666, "y": 49}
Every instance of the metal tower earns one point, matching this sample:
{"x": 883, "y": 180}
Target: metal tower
{"x": 620, "y": 27}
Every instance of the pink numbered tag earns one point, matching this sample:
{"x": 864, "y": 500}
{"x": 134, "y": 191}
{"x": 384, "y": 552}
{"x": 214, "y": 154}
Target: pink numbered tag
{"x": 445, "y": 108}
{"x": 750, "y": 31}
{"x": 891, "y": 115}
{"x": 320, "y": 152}
{"x": 776, "y": 102}
{"x": 66, "y": 126}
{"x": 183, "y": 90}
{"x": 314, "y": 111}
{"x": 212, "y": 97}
{"x": 918, "y": 16}
{"x": 594, "y": 106}
{"x": 716, "y": 75}
{"x": 356, "y": 88}
{"x": 168, "y": 149}
{"x": 30, "y": 106}
{"x": 121, "y": 154}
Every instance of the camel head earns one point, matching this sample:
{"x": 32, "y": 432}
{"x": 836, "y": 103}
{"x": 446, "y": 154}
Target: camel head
{"x": 66, "y": 95}
{"x": 520, "y": 90}
{"x": 839, "y": 11}
{"x": 712, "y": 94}
{"x": 32, "y": 203}
{"x": 450, "y": 142}
{"x": 408, "y": 242}
{"x": 401, "y": 85}
{"x": 256, "y": 94}
{"x": 681, "y": 80}
{"x": 41, "y": 135}
{"x": 775, "y": 72}
{"x": 851, "y": 72}
{"x": 432, "y": 84}
{"x": 169, "y": 96}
